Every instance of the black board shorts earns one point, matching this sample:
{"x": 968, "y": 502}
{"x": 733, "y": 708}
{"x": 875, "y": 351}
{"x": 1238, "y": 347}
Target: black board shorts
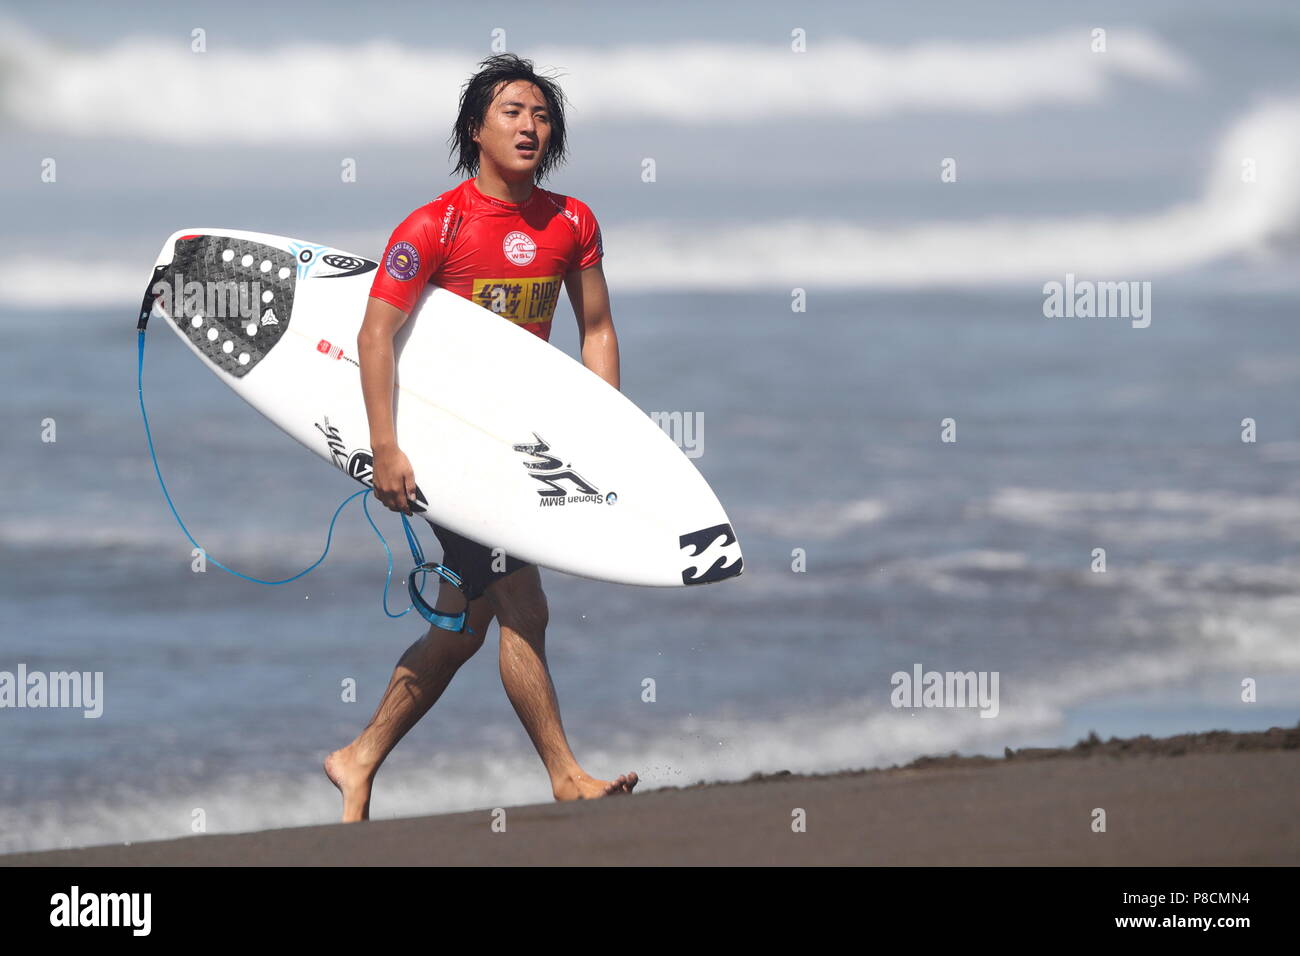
{"x": 471, "y": 560}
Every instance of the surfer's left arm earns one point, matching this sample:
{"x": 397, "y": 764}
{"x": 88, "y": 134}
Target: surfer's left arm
{"x": 596, "y": 337}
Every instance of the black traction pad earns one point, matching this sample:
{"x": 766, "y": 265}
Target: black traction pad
{"x": 234, "y": 280}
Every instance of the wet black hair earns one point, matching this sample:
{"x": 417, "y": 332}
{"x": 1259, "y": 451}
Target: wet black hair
{"x": 477, "y": 95}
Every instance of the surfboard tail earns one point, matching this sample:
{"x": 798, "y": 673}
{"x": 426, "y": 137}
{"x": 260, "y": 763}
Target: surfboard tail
{"x": 713, "y": 554}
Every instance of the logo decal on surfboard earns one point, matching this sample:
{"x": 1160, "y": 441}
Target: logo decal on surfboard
{"x": 713, "y": 554}
{"x": 329, "y": 350}
{"x": 359, "y": 463}
{"x": 551, "y": 471}
{"x": 346, "y": 266}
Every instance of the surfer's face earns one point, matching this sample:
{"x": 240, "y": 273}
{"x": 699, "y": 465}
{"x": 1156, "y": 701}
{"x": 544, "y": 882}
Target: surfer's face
{"x": 516, "y": 129}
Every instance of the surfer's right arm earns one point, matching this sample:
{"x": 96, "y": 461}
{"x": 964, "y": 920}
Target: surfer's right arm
{"x": 410, "y": 257}
{"x": 393, "y": 477}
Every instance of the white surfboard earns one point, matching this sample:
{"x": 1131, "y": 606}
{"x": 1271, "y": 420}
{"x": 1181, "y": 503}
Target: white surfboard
{"x": 513, "y": 443}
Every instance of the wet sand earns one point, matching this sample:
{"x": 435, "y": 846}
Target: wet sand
{"x": 1214, "y": 798}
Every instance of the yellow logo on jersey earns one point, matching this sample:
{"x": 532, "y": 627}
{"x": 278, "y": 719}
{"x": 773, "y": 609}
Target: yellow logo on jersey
{"x": 519, "y": 300}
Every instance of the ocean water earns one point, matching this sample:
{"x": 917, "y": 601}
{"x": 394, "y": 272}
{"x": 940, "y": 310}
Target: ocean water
{"x": 823, "y": 436}
{"x": 1170, "y": 159}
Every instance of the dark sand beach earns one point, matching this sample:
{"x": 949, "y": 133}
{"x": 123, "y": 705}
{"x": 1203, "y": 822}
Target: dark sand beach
{"x": 1214, "y": 798}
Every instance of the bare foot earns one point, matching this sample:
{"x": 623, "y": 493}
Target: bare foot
{"x": 582, "y": 787}
{"x": 352, "y": 782}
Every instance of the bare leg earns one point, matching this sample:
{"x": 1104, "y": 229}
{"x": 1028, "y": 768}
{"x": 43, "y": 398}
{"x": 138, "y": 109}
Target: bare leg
{"x": 520, "y": 608}
{"x": 419, "y": 679}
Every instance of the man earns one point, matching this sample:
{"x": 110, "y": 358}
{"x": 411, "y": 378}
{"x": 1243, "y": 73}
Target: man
{"x": 501, "y": 241}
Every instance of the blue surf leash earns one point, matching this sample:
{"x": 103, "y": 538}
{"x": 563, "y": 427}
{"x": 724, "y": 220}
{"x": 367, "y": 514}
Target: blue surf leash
{"x": 423, "y": 568}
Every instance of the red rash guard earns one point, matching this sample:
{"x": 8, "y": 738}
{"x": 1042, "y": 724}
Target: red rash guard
{"x": 510, "y": 258}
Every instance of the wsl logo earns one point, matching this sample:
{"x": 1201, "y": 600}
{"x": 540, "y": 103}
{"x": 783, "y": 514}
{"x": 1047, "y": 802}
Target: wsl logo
{"x": 562, "y": 484}
{"x": 519, "y": 248}
{"x": 358, "y": 464}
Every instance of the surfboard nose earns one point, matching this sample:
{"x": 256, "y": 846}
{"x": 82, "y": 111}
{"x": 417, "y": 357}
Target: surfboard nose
{"x": 151, "y": 292}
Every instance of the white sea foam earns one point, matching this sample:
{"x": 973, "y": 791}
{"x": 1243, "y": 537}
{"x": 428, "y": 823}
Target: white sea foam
{"x": 817, "y": 520}
{"x": 1231, "y": 219}
{"x": 154, "y": 88}
{"x": 1145, "y": 515}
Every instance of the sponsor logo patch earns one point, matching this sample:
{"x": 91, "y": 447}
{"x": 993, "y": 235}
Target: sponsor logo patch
{"x": 402, "y": 261}
{"x": 519, "y": 248}
{"x": 519, "y": 300}
{"x": 446, "y": 223}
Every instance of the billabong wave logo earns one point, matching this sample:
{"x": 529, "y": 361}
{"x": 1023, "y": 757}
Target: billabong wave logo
{"x": 713, "y": 553}
{"x": 555, "y": 475}
{"x": 359, "y": 463}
